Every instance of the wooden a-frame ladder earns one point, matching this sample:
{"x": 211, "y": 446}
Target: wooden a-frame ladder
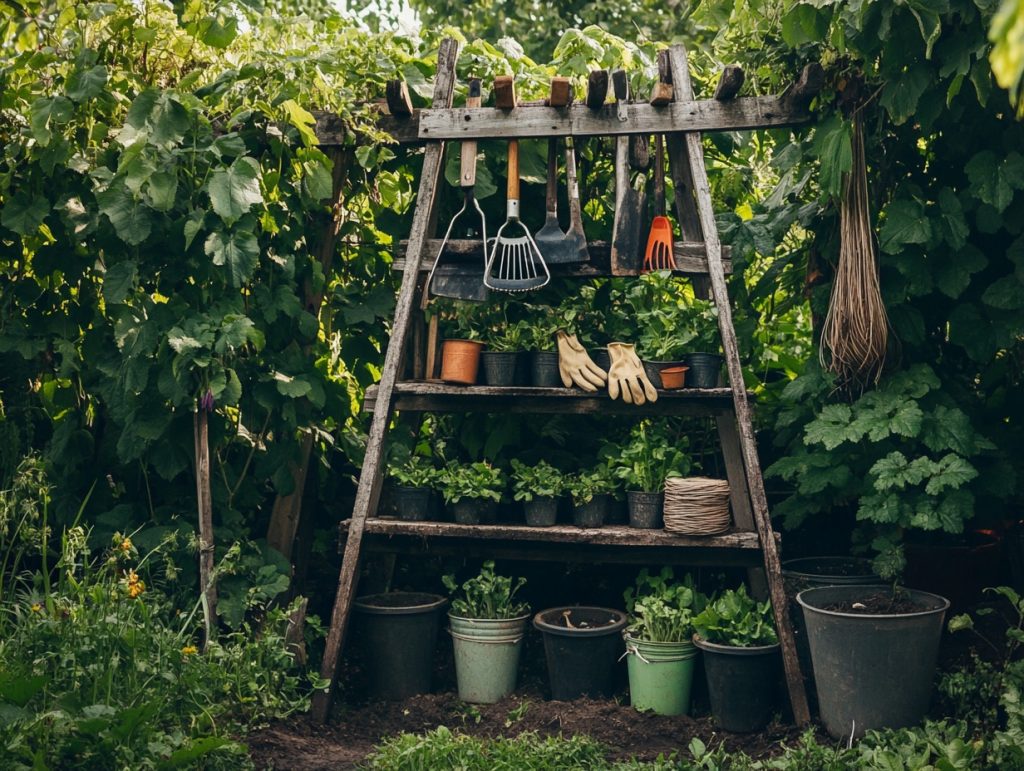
{"x": 696, "y": 216}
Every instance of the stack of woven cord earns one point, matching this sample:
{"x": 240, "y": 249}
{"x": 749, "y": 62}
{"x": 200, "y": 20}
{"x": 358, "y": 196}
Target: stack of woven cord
{"x": 696, "y": 506}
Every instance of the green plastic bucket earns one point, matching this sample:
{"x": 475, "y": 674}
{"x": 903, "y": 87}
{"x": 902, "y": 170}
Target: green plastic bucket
{"x": 486, "y": 656}
{"x": 660, "y": 675}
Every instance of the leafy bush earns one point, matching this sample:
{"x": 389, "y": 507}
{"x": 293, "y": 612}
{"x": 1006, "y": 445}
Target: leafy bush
{"x": 653, "y": 454}
{"x": 487, "y": 595}
{"x": 734, "y": 618}
{"x": 663, "y": 610}
{"x": 478, "y": 481}
{"x": 415, "y": 471}
{"x": 584, "y": 485}
{"x": 541, "y": 480}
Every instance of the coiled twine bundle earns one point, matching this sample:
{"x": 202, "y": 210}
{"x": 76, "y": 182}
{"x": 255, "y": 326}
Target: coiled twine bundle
{"x": 696, "y": 506}
{"x": 856, "y": 330}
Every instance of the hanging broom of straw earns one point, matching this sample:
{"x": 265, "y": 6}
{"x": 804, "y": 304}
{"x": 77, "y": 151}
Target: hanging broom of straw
{"x": 856, "y": 330}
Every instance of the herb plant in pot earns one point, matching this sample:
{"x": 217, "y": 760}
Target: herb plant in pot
{"x": 705, "y": 362}
{"x": 741, "y": 659}
{"x": 660, "y": 654}
{"x": 591, "y": 496}
{"x": 582, "y": 646}
{"x": 538, "y": 487}
{"x": 652, "y": 455}
{"x": 460, "y": 354}
{"x": 414, "y": 485}
{"x": 472, "y": 491}
{"x": 540, "y": 340}
{"x": 504, "y": 354}
{"x": 487, "y": 624}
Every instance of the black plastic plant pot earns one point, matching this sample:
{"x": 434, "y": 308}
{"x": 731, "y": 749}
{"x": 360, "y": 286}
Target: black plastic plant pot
{"x": 582, "y": 646}
{"x": 704, "y": 370}
{"x": 398, "y": 632}
{"x": 872, "y": 670}
{"x": 618, "y": 512}
{"x": 475, "y": 511}
{"x": 541, "y": 512}
{"x": 646, "y": 510}
{"x": 500, "y": 367}
{"x": 544, "y": 370}
{"x": 411, "y": 503}
{"x": 742, "y": 684}
{"x": 592, "y": 513}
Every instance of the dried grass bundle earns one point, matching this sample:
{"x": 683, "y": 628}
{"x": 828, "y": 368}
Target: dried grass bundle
{"x": 855, "y": 335}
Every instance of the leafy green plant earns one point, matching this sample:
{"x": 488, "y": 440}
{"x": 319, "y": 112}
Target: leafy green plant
{"x": 541, "y": 480}
{"x": 653, "y": 454}
{"x": 507, "y": 336}
{"x": 541, "y": 326}
{"x": 734, "y": 618}
{"x": 662, "y": 609}
{"x": 479, "y": 480}
{"x": 584, "y": 485}
{"x": 487, "y": 595}
{"x": 415, "y": 471}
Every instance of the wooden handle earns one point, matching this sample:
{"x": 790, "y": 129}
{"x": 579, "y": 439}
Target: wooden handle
{"x": 572, "y": 183}
{"x": 467, "y": 159}
{"x": 551, "y": 194}
{"x": 659, "y": 176}
{"x": 513, "y": 170}
{"x": 597, "y": 89}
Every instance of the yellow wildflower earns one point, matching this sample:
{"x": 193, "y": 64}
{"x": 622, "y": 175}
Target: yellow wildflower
{"x": 136, "y": 585}
{"x": 37, "y": 608}
{"x": 126, "y": 544}
{"x": 189, "y": 650}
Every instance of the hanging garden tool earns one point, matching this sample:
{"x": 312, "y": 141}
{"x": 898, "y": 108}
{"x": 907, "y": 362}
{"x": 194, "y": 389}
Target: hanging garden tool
{"x": 453, "y": 279}
{"x": 575, "y": 234}
{"x": 551, "y": 241}
{"x": 515, "y": 264}
{"x": 659, "y": 254}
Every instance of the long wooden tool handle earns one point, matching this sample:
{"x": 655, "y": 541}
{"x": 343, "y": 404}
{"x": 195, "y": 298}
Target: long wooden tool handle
{"x": 659, "y": 176}
{"x": 551, "y": 196}
{"x": 513, "y": 169}
{"x": 572, "y": 183}
{"x": 467, "y": 159}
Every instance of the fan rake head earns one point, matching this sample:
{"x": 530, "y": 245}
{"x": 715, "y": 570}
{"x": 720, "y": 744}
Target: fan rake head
{"x": 515, "y": 264}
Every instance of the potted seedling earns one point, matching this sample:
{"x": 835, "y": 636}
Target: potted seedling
{"x": 414, "y": 480}
{"x": 651, "y": 456}
{"x": 582, "y": 646}
{"x": 705, "y": 362}
{"x": 540, "y": 340}
{"x": 487, "y": 624}
{"x": 538, "y": 487}
{"x": 662, "y": 342}
{"x": 659, "y": 645}
{"x": 460, "y": 353}
{"x": 472, "y": 490}
{"x": 591, "y": 496}
{"x": 503, "y": 356}
{"x": 741, "y": 659}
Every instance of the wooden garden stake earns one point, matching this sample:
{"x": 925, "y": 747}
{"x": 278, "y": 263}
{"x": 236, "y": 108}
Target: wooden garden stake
{"x": 204, "y": 501}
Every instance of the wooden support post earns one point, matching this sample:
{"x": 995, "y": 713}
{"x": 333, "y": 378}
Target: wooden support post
{"x": 639, "y": 151}
{"x": 398, "y": 99}
{"x": 739, "y": 494}
{"x": 729, "y": 82}
{"x": 561, "y": 92}
{"x": 748, "y": 445}
{"x": 806, "y": 87}
{"x": 597, "y": 89}
{"x": 368, "y": 492}
{"x": 505, "y": 92}
{"x": 204, "y": 504}
{"x": 663, "y": 91}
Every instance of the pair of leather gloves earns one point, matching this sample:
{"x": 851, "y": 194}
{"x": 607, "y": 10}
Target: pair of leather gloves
{"x": 625, "y": 376}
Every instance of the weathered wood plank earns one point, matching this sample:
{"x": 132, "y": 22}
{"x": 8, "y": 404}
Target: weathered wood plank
{"x": 420, "y": 396}
{"x": 597, "y": 89}
{"x": 579, "y": 120}
{"x": 368, "y": 492}
{"x": 398, "y": 99}
{"x": 729, "y": 82}
{"x": 744, "y": 421}
{"x": 690, "y": 258}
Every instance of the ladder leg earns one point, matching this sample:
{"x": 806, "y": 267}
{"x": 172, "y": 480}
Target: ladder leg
{"x": 368, "y": 492}
{"x": 739, "y": 494}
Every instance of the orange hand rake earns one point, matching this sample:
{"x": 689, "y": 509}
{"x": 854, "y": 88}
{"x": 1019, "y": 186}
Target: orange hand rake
{"x": 659, "y": 254}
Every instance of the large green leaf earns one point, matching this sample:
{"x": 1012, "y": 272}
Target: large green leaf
{"x": 902, "y": 93}
{"x": 833, "y": 149}
{"x": 992, "y": 180}
{"x": 129, "y": 216}
{"x": 119, "y": 281}
{"x": 24, "y": 213}
{"x": 46, "y": 113}
{"x": 235, "y": 190}
{"x": 237, "y": 250}
{"x": 905, "y": 223}
{"x": 87, "y": 84}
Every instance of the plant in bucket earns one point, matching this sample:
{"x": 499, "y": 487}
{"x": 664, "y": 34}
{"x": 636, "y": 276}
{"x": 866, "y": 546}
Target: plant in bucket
{"x": 487, "y": 624}
{"x": 539, "y": 488}
{"x": 540, "y": 340}
{"x": 705, "y": 362}
{"x": 472, "y": 491}
{"x": 653, "y": 453}
{"x": 741, "y": 659}
{"x": 414, "y": 478}
{"x": 591, "y": 496}
{"x": 660, "y": 653}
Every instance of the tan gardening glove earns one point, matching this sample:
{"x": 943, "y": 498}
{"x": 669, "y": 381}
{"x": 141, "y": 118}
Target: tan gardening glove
{"x": 627, "y": 375}
{"x": 575, "y": 365}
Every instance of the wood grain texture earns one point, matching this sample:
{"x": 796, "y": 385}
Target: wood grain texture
{"x": 729, "y": 82}
{"x": 368, "y": 491}
{"x": 561, "y": 92}
{"x": 744, "y": 420}
{"x": 398, "y": 99}
{"x": 204, "y": 504}
{"x": 597, "y": 89}
{"x": 504, "y": 89}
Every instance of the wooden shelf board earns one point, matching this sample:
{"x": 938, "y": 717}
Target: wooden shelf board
{"x": 431, "y": 396}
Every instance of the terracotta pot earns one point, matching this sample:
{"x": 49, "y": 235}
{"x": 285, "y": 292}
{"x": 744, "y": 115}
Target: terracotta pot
{"x": 673, "y": 377}
{"x": 460, "y": 360}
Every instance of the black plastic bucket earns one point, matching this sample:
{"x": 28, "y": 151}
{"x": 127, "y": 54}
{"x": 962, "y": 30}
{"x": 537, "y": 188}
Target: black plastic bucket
{"x": 541, "y": 512}
{"x": 872, "y": 670}
{"x": 411, "y": 503}
{"x": 581, "y": 660}
{"x": 544, "y": 370}
{"x": 500, "y": 367}
{"x": 646, "y": 510}
{"x": 742, "y": 684}
{"x": 592, "y": 513}
{"x": 475, "y": 511}
{"x": 398, "y": 632}
{"x": 704, "y": 370}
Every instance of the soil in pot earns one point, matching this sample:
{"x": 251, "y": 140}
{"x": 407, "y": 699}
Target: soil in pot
{"x": 411, "y": 503}
{"x": 475, "y": 511}
{"x": 398, "y": 632}
{"x": 660, "y": 675}
{"x": 460, "y": 361}
{"x": 544, "y": 370}
{"x": 704, "y": 369}
{"x": 582, "y": 646}
{"x": 872, "y": 669}
{"x": 742, "y": 684}
{"x": 592, "y": 513}
{"x": 500, "y": 367}
{"x": 541, "y": 512}
{"x": 486, "y": 656}
{"x": 646, "y": 510}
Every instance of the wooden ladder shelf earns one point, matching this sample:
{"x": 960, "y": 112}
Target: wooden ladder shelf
{"x": 751, "y": 542}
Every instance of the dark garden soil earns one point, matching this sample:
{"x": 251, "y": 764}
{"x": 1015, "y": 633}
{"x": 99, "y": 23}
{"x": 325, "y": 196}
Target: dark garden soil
{"x": 302, "y": 745}
{"x": 879, "y": 603}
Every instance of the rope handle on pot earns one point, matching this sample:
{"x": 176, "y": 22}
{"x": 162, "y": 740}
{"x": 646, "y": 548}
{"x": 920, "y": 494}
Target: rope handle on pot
{"x": 632, "y": 649}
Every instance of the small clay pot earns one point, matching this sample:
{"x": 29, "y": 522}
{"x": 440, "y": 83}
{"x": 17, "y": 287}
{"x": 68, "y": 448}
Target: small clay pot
{"x": 673, "y": 378}
{"x": 460, "y": 361}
